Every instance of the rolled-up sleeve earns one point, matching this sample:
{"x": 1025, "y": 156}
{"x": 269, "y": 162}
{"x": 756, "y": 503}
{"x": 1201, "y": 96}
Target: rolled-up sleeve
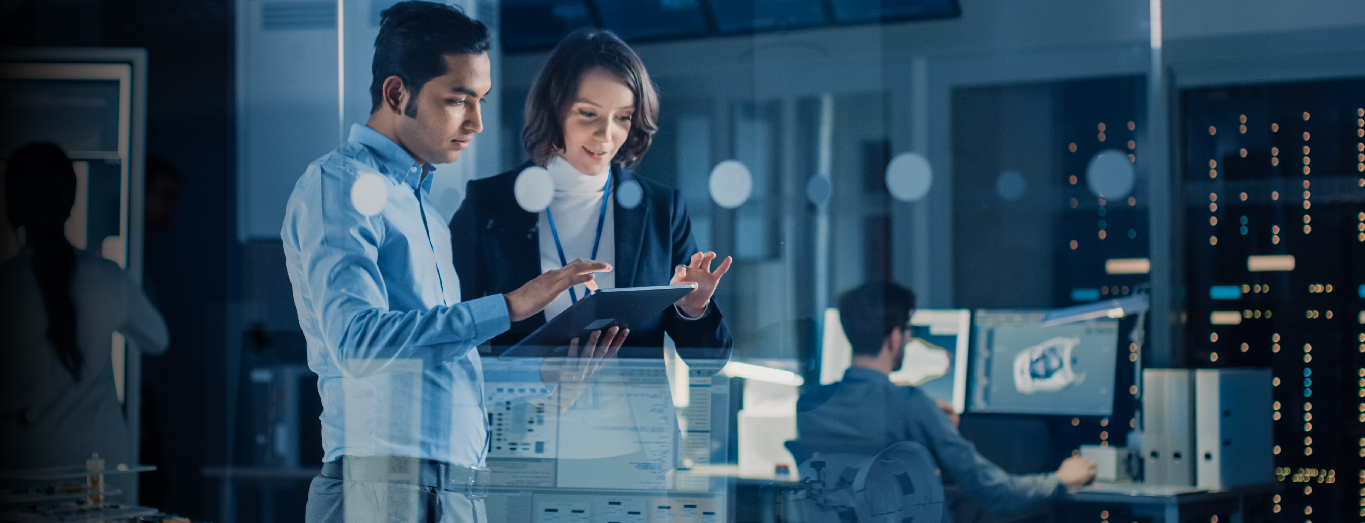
{"x": 336, "y": 249}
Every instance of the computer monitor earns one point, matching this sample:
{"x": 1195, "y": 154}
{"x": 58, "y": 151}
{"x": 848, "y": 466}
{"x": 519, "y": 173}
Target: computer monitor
{"x": 616, "y": 453}
{"x": 1021, "y": 367}
{"x": 935, "y": 357}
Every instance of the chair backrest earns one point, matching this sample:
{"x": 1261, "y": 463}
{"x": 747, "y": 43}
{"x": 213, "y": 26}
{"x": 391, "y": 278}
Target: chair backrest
{"x": 898, "y": 484}
{"x": 797, "y": 450}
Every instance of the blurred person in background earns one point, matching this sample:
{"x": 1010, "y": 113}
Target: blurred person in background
{"x": 162, "y": 189}
{"x": 865, "y": 413}
{"x": 61, "y": 307}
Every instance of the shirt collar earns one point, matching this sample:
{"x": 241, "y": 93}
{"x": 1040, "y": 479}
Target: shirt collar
{"x": 393, "y": 160}
{"x": 862, "y": 374}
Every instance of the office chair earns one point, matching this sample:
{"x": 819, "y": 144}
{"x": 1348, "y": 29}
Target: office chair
{"x": 895, "y": 485}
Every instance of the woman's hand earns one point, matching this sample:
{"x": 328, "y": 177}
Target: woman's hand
{"x": 699, "y": 273}
{"x": 580, "y": 366}
{"x": 572, "y": 375}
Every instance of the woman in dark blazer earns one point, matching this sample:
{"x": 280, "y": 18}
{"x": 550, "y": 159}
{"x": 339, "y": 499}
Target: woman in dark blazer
{"x": 589, "y": 116}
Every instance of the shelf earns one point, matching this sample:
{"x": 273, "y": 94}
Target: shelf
{"x": 70, "y": 472}
{"x": 15, "y": 499}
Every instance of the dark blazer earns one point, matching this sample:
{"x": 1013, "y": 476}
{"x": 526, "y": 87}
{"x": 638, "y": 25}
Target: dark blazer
{"x": 496, "y": 245}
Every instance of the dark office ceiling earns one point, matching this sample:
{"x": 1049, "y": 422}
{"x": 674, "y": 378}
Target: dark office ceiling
{"x": 535, "y": 25}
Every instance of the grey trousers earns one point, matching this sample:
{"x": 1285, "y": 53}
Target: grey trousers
{"x": 338, "y": 501}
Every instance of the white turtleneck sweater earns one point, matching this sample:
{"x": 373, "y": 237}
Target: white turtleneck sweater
{"x": 576, "y": 207}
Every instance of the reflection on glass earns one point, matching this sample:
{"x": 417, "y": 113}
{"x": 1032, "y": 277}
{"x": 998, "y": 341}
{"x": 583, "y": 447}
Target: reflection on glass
{"x": 614, "y": 446}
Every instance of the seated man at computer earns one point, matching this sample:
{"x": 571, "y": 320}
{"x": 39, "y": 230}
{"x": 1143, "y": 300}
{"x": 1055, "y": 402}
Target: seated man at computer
{"x": 865, "y": 413}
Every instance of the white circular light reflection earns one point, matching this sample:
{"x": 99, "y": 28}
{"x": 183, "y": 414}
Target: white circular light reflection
{"x": 534, "y": 189}
{"x": 369, "y": 193}
{"x": 818, "y": 190}
{"x": 629, "y": 194}
{"x": 1010, "y": 185}
{"x": 1110, "y": 174}
{"x": 731, "y": 184}
{"x": 909, "y": 177}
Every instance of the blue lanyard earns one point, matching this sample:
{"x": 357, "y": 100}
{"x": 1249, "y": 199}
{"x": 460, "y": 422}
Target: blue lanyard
{"x": 601, "y": 219}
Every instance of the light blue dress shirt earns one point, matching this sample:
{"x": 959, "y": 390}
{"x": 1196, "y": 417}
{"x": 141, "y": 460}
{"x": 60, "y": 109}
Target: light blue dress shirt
{"x": 379, "y": 303}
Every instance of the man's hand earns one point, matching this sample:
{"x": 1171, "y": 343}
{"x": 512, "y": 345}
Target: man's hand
{"x": 536, "y": 294}
{"x": 698, "y": 272}
{"x": 948, "y": 409}
{"x": 1076, "y": 472}
{"x": 572, "y": 373}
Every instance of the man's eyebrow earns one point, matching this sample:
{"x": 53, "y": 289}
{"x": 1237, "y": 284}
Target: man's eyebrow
{"x": 464, "y": 90}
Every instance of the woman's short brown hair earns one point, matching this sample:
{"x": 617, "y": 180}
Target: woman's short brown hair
{"x": 557, "y": 85}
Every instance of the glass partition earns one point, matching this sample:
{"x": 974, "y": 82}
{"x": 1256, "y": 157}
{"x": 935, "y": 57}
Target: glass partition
{"x": 1016, "y": 165}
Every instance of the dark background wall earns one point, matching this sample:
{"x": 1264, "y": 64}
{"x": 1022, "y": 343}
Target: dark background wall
{"x": 189, "y": 262}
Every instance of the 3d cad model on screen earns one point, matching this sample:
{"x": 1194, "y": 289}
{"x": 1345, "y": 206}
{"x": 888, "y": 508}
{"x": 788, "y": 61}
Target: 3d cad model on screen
{"x": 1047, "y": 366}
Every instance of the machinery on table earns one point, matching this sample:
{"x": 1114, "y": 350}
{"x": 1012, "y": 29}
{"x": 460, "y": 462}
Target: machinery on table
{"x": 73, "y": 493}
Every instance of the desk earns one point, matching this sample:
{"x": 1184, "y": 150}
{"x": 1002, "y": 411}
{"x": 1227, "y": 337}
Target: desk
{"x": 1169, "y": 502}
{"x": 266, "y": 479}
{"x": 768, "y": 483}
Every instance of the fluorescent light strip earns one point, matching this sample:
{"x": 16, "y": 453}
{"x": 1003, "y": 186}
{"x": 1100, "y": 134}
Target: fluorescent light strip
{"x": 1282, "y": 262}
{"x": 736, "y": 369}
{"x": 1225, "y": 318}
{"x": 1127, "y": 266}
{"x": 1115, "y": 308}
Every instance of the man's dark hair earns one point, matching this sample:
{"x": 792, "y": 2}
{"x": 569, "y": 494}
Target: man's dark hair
{"x": 557, "y": 85}
{"x": 869, "y": 313}
{"x": 414, "y": 37}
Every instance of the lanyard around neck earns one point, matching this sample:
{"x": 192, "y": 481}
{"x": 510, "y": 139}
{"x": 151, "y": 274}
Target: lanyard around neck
{"x": 601, "y": 219}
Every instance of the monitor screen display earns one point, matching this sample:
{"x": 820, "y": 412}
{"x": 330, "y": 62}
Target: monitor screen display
{"x": 1022, "y": 367}
{"x": 619, "y": 447}
{"x": 935, "y": 355}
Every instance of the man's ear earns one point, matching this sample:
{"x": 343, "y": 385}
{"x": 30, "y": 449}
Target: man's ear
{"x": 395, "y": 95}
{"x": 893, "y": 341}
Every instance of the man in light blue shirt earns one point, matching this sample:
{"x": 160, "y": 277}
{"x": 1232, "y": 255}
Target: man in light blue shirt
{"x": 403, "y": 423}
